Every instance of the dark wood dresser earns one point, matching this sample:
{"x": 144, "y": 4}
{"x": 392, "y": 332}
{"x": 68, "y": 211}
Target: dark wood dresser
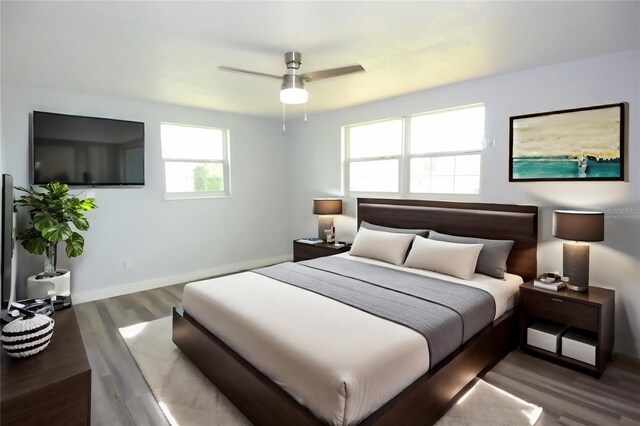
{"x": 52, "y": 387}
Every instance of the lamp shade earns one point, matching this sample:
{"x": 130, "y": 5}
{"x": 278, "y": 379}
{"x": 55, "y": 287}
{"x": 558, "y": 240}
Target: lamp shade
{"x": 327, "y": 206}
{"x": 578, "y": 226}
{"x": 293, "y": 91}
{"x": 293, "y": 96}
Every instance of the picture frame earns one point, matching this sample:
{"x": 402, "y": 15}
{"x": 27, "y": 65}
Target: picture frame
{"x": 580, "y": 144}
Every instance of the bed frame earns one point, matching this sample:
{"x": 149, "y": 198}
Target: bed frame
{"x": 427, "y": 399}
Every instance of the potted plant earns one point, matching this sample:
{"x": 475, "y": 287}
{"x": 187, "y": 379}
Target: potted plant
{"x": 53, "y": 211}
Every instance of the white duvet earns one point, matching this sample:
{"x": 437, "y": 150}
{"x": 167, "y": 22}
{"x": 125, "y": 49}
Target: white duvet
{"x": 338, "y": 361}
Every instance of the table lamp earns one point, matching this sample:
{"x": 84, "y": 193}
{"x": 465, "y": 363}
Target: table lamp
{"x": 326, "y": 208}
{"x": 579, "y": 227}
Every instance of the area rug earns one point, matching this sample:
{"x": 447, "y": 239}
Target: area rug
{"x": 187, "y": 397}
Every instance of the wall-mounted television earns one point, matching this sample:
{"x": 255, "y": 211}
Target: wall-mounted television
{"x": 86, "y": 151}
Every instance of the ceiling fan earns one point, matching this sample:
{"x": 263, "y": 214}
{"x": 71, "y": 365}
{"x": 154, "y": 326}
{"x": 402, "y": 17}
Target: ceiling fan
{"x": 293, "y": 91}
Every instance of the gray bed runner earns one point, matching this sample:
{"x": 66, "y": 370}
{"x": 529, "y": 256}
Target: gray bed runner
{"x": 445, "y": 313}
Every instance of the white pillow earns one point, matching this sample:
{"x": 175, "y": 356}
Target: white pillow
{"x": 386, "y": 246}
{"x": 458, "y": 260}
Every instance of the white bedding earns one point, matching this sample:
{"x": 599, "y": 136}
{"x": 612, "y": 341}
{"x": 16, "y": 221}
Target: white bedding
{"x": 338, "y": 361}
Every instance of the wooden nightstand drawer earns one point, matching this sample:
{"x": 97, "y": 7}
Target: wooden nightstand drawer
{"x": 561, "y": 310}
{"x": 306, "y": 251}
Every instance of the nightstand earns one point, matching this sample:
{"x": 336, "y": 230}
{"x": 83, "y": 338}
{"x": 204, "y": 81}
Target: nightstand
{"x": 590, "y": 313}
{"x": 302, "y": 251}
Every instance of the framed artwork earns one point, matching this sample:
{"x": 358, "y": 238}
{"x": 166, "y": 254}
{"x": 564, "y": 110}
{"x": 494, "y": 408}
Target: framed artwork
{"x": 582, "y": 144}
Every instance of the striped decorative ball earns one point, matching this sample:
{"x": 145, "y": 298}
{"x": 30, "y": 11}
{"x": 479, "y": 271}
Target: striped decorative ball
{"x": 27, "y": 336}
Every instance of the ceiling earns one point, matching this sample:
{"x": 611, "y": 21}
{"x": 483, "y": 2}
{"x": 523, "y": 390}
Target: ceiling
{"x": 170, "y": 51}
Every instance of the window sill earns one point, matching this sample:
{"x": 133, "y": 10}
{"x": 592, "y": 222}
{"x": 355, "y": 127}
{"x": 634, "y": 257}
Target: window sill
{"x": 193, "y": 196}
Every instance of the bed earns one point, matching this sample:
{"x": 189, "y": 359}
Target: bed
{"x": 426, "y": 396}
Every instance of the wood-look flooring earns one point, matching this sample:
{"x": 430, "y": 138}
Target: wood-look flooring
{"x": 120, "y": 395}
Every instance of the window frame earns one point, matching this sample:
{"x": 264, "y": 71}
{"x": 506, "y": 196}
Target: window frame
{"x": 405, "y": 157}
{"x": 348, "y": 160}
{"x": 226, "y": 166}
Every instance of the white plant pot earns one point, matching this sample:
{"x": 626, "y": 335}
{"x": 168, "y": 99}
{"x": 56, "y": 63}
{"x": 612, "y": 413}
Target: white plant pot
{"x": 42, "y": 287}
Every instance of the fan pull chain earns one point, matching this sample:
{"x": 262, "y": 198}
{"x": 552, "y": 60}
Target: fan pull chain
{"x": 284, "y": 127}
{"x": 305, "y": 112}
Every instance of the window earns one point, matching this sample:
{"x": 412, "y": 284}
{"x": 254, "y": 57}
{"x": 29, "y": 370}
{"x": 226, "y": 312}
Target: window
{"x": 196, "y": 161}
{"x": 374, "y": 152}
{"x": 444, "y": 151}
{"x": 437, "y": 152}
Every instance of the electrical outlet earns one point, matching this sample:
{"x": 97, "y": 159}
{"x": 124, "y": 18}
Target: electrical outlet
{"x": 128, "y": 264}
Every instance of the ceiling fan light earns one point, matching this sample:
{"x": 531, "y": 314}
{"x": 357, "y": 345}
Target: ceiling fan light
{"x": 294, "y": 95}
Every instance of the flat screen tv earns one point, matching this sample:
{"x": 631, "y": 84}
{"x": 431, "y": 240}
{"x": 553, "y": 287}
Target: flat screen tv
{"x": 86, "y": 151}
{"x": 7, "y": 239}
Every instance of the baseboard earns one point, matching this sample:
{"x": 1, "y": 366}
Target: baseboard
{"x": 104, "y": 293}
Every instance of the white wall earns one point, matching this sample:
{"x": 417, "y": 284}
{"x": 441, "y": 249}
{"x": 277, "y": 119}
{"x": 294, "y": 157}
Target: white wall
{"x": 167, "y": 241}
{"x": 315, "y": 165}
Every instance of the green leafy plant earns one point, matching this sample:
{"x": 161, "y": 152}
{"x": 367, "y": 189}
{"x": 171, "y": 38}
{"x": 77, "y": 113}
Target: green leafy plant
{"x": 53, "y": 211}
{"x": 207, "y": 177}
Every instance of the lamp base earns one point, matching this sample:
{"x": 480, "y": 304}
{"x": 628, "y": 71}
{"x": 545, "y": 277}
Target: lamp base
{"x": 577, "y": 288}
{"x": 324, "y": 222}
{"x": 575, "y": 265}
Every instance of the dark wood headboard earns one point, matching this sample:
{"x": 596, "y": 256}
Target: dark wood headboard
{"x": 481, "y": 220}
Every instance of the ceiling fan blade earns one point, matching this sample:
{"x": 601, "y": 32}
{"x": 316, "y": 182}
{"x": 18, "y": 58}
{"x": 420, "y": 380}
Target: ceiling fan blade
{"x": 334, "y": 72}
{"x": 260, "y": 74}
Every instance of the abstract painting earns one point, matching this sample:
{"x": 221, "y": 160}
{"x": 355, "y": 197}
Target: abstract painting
{"x": 573, "y": 144}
